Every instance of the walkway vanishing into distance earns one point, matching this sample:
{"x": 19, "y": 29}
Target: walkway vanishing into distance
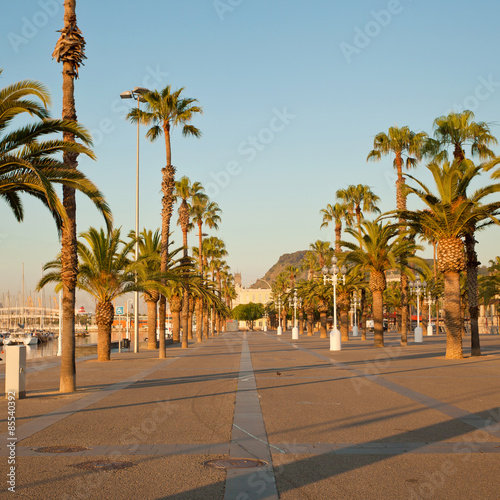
{"x": 388, "y": 423}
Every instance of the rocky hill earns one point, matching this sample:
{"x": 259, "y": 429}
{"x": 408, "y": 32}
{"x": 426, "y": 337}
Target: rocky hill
{"x": 288, "y": 259}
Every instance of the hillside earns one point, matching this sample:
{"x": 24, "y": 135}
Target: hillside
{"x": 287, "y": 259}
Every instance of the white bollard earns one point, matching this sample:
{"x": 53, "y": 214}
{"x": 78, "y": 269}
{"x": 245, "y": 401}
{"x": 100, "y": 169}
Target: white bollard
{"x": 15, "y": 371}
{"x": 335, "y": 341}
{"x": 430, "y": 330}
{"x": 418, "y": 334}
{"x": 278, "y": 332}
{"x": 355, "y": 332}
{"x": 295, "y": 333}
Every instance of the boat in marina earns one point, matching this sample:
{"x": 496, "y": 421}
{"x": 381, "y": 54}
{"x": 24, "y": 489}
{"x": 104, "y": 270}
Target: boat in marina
{"x": 20, "y": 337}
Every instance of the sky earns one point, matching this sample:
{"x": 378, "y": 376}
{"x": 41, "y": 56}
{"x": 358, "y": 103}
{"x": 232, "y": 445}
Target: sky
{"x": 293, "y": 93}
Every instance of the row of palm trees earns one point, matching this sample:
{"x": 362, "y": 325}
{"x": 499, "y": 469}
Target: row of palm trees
{"x": 29, "y": 164}
{"x": 451, "y": 215}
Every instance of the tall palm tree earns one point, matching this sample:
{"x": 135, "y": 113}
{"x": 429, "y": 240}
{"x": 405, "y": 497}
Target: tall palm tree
{"x": 322, "y": 251}
{"x": 165, "y": 110}
{"x": 359, "y": 199}
{"x": 448, "y": 217}
{"x": 149, "y": 261}
{"x": 29, "y": 163}
{"x": 70, "y": 49}
{"x": 336, "y": 213}
{"x": 203, "y": 211}
{"x": 376, "y": 251}
{"x": 456, "y": 131}
{"x": 105, "y": 273}
{"x": 402, "y": 143}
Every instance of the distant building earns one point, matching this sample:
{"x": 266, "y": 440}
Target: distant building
{"x": 247, "y": 295}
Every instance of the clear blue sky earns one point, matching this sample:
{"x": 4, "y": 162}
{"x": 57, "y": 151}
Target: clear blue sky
{"x": 293, "y": 93}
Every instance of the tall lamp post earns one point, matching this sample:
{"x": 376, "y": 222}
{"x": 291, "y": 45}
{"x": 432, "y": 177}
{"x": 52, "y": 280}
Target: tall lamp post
{"x": 418, "y": 287}
{"x": 355, "y": 326}
{"x": 137, "y": 94}
{"x": 331, "y": 275}
{"x": 278, "y": 332}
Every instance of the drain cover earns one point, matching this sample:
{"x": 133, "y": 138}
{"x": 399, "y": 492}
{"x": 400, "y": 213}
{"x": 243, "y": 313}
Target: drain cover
{"x": 104, "y": 465}
{"x": 60, "y": 449}
{"x": 235, "y": 463}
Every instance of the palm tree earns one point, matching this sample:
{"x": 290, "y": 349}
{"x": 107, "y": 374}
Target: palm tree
{"x": 376, "y": 251}
{"x": 336, "y": 213}
{"x": 458, "y": 130}
{"x": 105, "y": 273}
{"x": 30, "y": 164}
{"x": 358, "y": 200}
{"x": 401, "y": 142}
{"x": 448, "y": 218}
{"x": 203, "y": 211}
{"x": 149, "y": 260}
{"x": 322, "y": 251}
{"x": 165, "y": 110}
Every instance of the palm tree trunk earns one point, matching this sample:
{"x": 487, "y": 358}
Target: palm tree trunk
{"x": 176, "y": 327}
{"x": 363, "y": 314}
{"x": 472, "y": 293}
{"x": 104, "y": 314}
{"x": 199, "y": 320}
{"x": 167, "y": 186}
{"x": 378, "y": 319}
{"x": 301, "y": 322}
{"x": 344, "y": 325}
{"x": 151, "y": 307}
{"x": 212, "y": 320}
{"x": 323, "y": 329}
{"x": 206, "y": 331}
{"x": 452, "y": 315}
{"x": 404, "y": 307}
{"x": 185, "y": 319}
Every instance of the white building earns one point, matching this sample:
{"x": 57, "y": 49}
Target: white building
{"x": 247, "y": 295}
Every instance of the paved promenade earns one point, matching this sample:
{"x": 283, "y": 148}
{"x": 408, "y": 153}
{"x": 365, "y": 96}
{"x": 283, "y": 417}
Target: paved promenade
{"x": 362, "y": 423}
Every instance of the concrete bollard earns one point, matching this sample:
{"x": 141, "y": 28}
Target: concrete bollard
{"x": 335, "y": 340}
{"x": 278, "y": 332}
{"x": 418, "y": 334}
{"x": 355, "y": 332}
{"x": 295, "y": 333}
{"x": 15, "y": 371}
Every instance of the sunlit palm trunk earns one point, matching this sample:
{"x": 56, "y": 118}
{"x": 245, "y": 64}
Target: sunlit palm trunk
{"x": 378, "y": 317}
{"x": 167, "y": 187}
{"x": 301, "y": 322}
{"x": 104, "y": 319}
{"x": 151, "y": 310}
{"x": 175, "y": 308}
{"x": 363, "y": 314}
{"x": 199, "y": 320}
{"x": 452, "y": 315}
{"x": 344, "y": 325}
{"x": 190, "y": 319}
{"x": 69, "y": 259}
{"x": 206, "y": 330}
{"x": 322, "y": 318}
{"x": 185, "y": 320}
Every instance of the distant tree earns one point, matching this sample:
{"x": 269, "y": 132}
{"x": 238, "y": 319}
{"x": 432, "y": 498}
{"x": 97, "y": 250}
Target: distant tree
{"x": 249, "y": 313}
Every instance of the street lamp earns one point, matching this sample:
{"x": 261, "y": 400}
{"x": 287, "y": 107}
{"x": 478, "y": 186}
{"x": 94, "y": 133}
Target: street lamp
{"x": 278, "y": 332}
{"x": 430, "y": 330}
{"x": 331, "y": 275}
{"x": 137, "y": 93}
{"x": 355, "y": 326}
{"x": 295, "y": 330}
{"x": 418, "y": 287}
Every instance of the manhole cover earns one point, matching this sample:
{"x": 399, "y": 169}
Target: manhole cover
{"x": 60, "y": 449}
{"x": 235, "y": 463}
{"x": 104, "y": 465}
